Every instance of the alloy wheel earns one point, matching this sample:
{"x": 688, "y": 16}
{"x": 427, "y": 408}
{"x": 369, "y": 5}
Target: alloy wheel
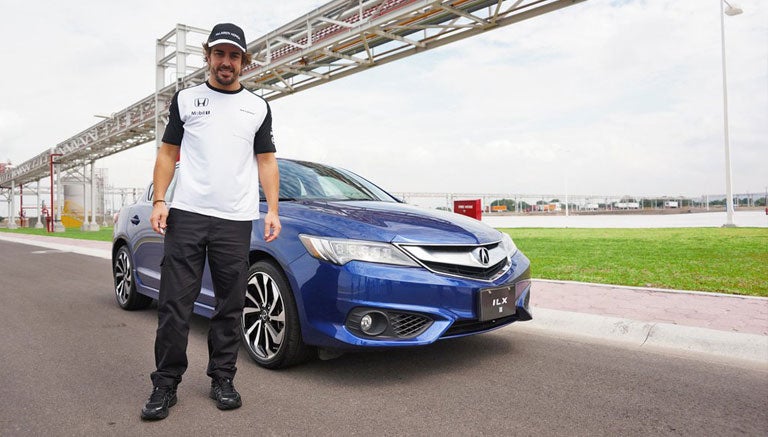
{"x": 123, "y": 277}
{"x": 263, "y": 316}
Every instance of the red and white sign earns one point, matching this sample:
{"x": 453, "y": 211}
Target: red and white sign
{"x": 469, "y": 208}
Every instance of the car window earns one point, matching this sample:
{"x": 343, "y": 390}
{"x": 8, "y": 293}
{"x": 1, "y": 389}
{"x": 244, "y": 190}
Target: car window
{"x": 336, "y": 188}
{"x": 312, "y": 181}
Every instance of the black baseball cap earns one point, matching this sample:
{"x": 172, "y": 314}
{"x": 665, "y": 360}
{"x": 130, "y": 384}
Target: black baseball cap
{"x": 227, "y": 33}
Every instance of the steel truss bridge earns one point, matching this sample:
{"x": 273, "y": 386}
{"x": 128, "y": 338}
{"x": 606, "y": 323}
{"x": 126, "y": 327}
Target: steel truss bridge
{"x": 340, "y": 38}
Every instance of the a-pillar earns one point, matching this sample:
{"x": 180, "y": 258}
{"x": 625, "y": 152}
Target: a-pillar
{"x": 93, "y": 226}
{"x": 12, "y": 208}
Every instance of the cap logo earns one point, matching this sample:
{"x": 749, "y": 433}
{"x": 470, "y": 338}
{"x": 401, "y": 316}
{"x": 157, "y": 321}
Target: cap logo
{"x": 225, "y": 33}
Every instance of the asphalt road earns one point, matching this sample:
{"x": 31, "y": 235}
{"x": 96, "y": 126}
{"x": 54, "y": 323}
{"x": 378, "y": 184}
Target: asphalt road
{"x": 73, "y": 363}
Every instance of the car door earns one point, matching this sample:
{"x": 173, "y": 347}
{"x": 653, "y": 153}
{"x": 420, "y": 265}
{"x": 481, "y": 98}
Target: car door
{"x": 147, "y": 244}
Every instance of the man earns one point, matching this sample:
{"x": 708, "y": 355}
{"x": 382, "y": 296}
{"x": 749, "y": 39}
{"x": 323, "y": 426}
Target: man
{"x": 223, "y": 135}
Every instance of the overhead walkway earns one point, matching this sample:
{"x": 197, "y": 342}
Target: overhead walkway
{"x": 340, "y": 38}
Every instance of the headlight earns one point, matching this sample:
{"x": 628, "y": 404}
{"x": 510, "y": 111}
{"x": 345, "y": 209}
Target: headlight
{"x": 507, "y": 244}
{"x": 341, "y": 251}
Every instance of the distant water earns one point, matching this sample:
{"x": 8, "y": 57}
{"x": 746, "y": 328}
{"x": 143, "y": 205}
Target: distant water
{"x": 745, "y": 219}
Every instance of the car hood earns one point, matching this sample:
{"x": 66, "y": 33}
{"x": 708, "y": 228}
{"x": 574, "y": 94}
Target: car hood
{"x": 390, "y": 222}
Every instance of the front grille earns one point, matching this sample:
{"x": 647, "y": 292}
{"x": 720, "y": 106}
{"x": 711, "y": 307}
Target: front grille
{"x": 467, "y": 271}
{"x": 485, "y": 262}
{"x": 408, "y": 325}
{"x": 461, "y": 327}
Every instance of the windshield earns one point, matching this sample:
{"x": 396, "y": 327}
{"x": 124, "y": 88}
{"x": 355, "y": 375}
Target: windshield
{"x": 311, "y": 181}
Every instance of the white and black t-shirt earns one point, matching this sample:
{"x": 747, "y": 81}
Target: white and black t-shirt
{"x": 219, "y": 132}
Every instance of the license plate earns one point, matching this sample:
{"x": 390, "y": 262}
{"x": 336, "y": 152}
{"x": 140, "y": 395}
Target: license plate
{"x": 496, "y": 303}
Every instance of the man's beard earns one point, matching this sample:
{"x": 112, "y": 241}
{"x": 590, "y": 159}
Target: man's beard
{"x": 225, "y": 81}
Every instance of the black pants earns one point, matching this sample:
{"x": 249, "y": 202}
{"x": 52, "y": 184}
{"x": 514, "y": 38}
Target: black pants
{"x": 189, "y": 238}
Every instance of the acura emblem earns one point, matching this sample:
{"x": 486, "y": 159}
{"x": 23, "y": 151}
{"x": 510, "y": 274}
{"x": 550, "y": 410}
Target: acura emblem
{"x": 483, "y": 256}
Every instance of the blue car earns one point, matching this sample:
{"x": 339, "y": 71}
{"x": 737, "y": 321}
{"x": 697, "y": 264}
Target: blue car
{"x": 354, "y": 268}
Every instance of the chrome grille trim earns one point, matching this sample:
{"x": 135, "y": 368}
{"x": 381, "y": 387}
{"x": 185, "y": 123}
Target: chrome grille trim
{"x": 461, "y": 260}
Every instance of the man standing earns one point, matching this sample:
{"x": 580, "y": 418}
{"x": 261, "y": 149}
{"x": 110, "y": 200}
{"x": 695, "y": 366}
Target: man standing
{"x": 223, "y": 135}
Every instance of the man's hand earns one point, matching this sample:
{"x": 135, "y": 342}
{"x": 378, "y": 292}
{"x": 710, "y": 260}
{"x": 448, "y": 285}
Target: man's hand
{"x": 271, "y": 226}
{"x": 159, "y": 214}
{"x": 269, "y": 175}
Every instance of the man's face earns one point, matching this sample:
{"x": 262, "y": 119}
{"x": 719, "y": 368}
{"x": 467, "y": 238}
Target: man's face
{"x": 225, "y": 64}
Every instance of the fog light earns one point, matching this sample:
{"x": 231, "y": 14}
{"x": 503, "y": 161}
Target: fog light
{"x": 366, "y": 322}
{"x": 373, "y": 323}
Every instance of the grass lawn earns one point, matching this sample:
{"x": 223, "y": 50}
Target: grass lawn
{"x": 104, "y": 234}
{"x": 726, "y": 260}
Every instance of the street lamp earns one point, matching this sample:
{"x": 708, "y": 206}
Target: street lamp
{"x": 731, "y": 10}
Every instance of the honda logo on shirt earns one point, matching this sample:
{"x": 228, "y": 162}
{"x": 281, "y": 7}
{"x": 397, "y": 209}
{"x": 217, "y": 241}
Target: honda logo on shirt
{"x": 201, "y": 101}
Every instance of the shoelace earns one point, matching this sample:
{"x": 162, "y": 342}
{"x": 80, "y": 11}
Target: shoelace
{"x": 226, "y": 386}
{"x": 158, "y": 394}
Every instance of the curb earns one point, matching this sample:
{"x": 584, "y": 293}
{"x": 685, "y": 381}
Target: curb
{"x": 656, "y": 290}
{"x": 748, "y": 347}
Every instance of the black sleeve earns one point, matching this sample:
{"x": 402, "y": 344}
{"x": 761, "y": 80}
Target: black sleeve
{"x": 174, "y": 131}
{"x": 263, "y": 142}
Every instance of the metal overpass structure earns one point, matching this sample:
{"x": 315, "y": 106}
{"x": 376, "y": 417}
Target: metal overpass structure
{"x": 338, "y": 39}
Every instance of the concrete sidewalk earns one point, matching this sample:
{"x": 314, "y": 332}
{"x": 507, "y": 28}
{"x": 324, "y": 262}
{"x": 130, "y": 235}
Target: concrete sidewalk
{"x": 709, "y": 323}
{"x": 700, "y": 322}
{"x": 100, "y": 249}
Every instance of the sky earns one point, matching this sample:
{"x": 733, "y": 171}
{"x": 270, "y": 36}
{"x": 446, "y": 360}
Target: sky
{"x": 601, "y": 98}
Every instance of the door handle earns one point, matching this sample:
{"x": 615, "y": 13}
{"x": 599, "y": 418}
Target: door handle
{"x": 135, "y": 220}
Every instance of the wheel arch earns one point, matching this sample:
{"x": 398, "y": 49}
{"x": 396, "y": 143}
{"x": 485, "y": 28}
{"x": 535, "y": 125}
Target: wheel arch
{"x": 260, "y": 255}
{"x": 304, "y": 351}
{"x": 116, "y": 245}
{"x": 257, "y": 255}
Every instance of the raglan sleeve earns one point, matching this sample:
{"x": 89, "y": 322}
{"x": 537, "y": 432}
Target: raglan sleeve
{"x": 174, "y": 131}
{"x": 263, "y": 141}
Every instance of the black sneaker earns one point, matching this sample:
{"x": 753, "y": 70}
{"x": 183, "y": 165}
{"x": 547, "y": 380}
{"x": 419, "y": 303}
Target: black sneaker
{"x": 223, "y": 391}
{"x": 161, "y": 399}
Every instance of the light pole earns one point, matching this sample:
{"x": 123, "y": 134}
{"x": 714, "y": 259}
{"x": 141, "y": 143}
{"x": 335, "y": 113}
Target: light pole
{"x": 765, "y": 199}
{"x": 730, "y": 11}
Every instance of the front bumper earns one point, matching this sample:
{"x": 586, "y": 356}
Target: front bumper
{"x": 420, "y": 307}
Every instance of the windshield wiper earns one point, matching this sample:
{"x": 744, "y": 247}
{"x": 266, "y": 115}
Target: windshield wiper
{"x": 281, "y": 199}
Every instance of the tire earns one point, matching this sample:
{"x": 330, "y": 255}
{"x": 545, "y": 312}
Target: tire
{"x": 125, "y": 287}
{"x": 270, "y": 328}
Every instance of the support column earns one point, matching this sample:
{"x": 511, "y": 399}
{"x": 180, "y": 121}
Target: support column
{"x": 57, "y": 225}
{"x": 181, "y": 54}
{"x": 39, "y": 224}
{"x": 21, "y": 205}
{"x": 86, "y": 224}
{"x": 93, "y": 226}
{"x": 12, "y": 207}
{"x": 159, "y": 84}
{"x": 103, "y": 186}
